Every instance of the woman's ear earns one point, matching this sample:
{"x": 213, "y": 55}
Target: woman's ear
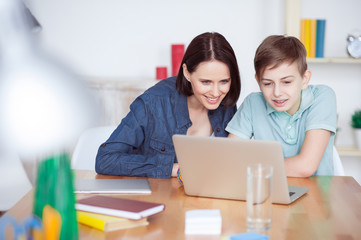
{"x": 306, "y": 79}
{"x": 185, "y": 72}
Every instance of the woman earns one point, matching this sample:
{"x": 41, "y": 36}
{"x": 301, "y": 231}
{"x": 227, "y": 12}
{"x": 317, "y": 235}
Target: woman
{"x": 201, "y": 100}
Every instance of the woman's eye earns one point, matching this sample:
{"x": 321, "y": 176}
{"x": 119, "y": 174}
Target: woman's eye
{"x": 206, "y": 81}
{"x": 225, "y": 81}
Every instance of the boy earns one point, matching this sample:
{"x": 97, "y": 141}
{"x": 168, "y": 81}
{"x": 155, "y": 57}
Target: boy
{"x": 301, "y": 116}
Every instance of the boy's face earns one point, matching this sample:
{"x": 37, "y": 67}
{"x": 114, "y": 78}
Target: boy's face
{"x": 282, "y": 86}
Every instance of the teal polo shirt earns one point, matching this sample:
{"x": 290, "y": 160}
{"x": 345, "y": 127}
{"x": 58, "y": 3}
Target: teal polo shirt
{"x": 257, "y": 119}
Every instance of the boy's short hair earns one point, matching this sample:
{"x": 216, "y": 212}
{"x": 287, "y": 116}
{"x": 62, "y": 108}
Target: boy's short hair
{"x": 206, "y": 47}
{"x": 277, "y": 49}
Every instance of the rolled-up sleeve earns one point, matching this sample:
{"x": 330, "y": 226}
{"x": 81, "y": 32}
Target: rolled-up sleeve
{"x": 122, "y": 153}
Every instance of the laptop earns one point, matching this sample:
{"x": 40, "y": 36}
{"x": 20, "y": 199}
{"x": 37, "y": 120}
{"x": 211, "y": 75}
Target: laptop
{"x": 118, "y": 186}
{"x": 217, "y": 167}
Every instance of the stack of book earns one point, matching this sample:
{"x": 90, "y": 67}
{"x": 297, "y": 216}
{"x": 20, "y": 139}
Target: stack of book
{"x": 111, "y": 213}
{"x": 313, "y": 36}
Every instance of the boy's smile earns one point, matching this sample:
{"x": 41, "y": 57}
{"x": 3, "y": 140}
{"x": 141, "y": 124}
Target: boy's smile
{"x": 281, "y": 86}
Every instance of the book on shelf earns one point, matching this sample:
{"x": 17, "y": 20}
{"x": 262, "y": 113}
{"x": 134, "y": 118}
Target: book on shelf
{"x": 119, "y": 207}
{"x": 302, "y": 31}
{"x": 312, "y": 35}
{"x": 312, "y": 38}
{"x": 320, "y": 37}
{"x": 108, "y": 223}
{"x": 306, "y": 31}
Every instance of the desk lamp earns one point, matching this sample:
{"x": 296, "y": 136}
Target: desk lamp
{"x": 43, "y": 110}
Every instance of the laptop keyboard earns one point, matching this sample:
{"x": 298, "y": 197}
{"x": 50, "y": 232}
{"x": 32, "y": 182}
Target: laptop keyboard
{"x": 291, "y": 193}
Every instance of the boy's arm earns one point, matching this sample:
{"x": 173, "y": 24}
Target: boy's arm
{"x": 307, "y": 161}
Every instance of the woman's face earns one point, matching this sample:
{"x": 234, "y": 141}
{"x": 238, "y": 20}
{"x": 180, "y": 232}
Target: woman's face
{"x": 210, "y": 82}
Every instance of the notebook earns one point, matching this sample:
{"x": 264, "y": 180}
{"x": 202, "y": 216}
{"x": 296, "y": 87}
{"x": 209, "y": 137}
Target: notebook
{"x": 108, "y": 223}
{"x": 124, "y": 186}
{"x": 119, "y": 207}
{"x": 216, "y": 167}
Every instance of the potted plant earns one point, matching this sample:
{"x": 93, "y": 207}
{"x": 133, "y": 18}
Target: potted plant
{"x": 356, "y": 125}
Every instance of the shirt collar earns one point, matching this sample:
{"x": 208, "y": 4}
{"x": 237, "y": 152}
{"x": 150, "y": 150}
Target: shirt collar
{"x": 307, "y": 100}
{"x": 181, "y": 109}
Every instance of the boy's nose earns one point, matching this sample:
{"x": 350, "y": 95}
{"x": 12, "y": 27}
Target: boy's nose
{"x": 276, "y": 90}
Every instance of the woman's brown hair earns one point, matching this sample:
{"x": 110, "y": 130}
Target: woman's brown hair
{"x": 207, "y": 47}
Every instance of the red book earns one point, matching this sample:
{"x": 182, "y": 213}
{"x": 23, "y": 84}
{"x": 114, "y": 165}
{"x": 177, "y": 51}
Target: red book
{"x": 161, "y": 73}
{"x": 119, "y": 207}
{"x": 177, "y": 57}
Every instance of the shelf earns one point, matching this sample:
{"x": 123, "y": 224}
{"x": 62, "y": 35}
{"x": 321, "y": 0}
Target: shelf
{"x": 292, "y": 28}
{"x": 334, "y": 60}
{"x": 348, "y": 151}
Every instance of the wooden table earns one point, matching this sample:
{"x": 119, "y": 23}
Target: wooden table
{"x": 330, "y": 210}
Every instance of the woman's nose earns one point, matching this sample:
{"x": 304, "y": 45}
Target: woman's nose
{"x": 215, "y": 90}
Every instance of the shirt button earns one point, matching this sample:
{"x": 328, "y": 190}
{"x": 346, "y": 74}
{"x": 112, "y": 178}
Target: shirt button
{"x": 211, "y": 113}
{"x": 217, "y": 130}
{"x": 104, "y": 144}
{"x": 163, "y": 149}
{"x": 289, "y": 127}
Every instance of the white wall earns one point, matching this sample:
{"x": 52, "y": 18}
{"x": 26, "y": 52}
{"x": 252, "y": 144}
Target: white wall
{"x": 129, "y": 38}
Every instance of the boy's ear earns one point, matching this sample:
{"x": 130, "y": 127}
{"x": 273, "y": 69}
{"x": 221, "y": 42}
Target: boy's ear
{"x": 306, "y": 79}
{"x": 259, "y": 85}
{"x": 185, "y": 72}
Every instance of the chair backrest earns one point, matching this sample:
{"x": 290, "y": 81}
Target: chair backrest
{"x": 87, "y": 146}
{"x": 14, "y": 181}
{"x": 337, "y": 164}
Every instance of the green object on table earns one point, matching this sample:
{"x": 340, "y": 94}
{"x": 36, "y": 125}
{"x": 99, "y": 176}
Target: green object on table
{"x": 54, "y": 187}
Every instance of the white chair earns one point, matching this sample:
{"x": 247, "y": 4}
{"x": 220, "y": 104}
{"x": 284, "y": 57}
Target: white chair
{"x": 14, "y": 182}
{"x": 87, "y": 147}
{"x": 338, "y": 169}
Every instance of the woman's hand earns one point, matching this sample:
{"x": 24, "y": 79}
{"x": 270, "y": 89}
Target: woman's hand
{"x": 175, "y": 169}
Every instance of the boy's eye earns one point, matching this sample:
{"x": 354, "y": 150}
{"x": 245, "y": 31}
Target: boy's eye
{"x": 287, "y": 81}
{"x": 266, "y": 83}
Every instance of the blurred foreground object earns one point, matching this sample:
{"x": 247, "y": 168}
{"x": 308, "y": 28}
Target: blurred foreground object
{"x": 14, "y": 183}
{"x": 43, "y": 106}
{"x": 54, "y": 187}
{"x": 43, "y": 110}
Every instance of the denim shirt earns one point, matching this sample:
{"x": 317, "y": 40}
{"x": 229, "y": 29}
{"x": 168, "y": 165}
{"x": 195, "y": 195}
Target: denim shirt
{"x": 142, "y": 143}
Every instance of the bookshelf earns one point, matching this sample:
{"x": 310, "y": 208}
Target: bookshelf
{"x": 348, "y": 151}
{"x": 292, "y": 28}
{"x": 334, "y": 60}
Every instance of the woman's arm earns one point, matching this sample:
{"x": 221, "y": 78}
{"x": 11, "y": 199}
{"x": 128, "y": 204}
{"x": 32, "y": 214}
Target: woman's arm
{"x": 175, "y": 170}
{"x": 124, "y": 152}
{"x": 117, "y": 159}
{"x": 306, "y": 163}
